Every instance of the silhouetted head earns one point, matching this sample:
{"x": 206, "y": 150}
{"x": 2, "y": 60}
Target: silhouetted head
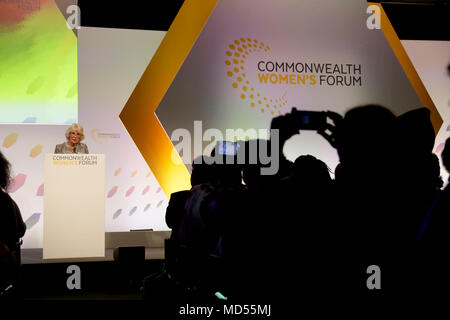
{"x": 415, "y": 132}
{"x": 365, "y": 136}
{"x": 258, "y": 157}
{"x": 5, "y": 172}
{"x": 339, "y": 173}
{"x": 227, "y": 171}
{"x": 252, "y": 168}
{"x": 202, "y": 172}
{"x": 446, "y": 155}
{"x": 310, "y": 171}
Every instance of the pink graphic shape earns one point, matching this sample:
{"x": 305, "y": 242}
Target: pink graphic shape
{"x": 145, "y": 190}
{"x": 130, "y": 191}
{"x": 17, "y": 183}
{"x": 40, "y": 191}
{"x": 112, "y": 191}
{"x": 158, "y": 190}
{"x": 440, "y": 147}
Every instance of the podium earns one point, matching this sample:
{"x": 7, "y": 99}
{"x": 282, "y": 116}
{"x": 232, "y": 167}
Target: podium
{"x": 74, "y": 206}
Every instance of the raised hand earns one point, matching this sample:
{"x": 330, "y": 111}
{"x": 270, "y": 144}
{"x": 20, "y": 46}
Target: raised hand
{"x": 329, "y": 130}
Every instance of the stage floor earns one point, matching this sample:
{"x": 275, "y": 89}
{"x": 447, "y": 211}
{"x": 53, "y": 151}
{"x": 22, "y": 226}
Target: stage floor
{"x": 34, "y": 256}
{"x": 153, "y": 241}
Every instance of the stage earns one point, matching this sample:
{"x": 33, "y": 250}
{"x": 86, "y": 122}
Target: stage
{"x": 153, "y": 241}
{"x": 102, "y": 278}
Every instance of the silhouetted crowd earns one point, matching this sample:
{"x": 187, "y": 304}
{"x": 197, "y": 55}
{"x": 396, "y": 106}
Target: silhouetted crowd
{"x": 300, "y": 232}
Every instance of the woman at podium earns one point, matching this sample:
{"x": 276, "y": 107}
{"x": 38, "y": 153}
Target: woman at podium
{"x": 74, "y": 136}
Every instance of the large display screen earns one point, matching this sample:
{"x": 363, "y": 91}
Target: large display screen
{"x": 38, "y": 64}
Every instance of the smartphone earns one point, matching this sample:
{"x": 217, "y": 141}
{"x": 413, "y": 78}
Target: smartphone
{"x": 228, "y": 148}
{"x": 310, "y": 120}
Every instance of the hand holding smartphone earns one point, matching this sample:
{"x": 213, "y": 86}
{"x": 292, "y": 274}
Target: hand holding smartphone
{"x": 309, "y": 120}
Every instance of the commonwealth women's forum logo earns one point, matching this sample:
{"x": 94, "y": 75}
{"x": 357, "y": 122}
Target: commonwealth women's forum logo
{"x": 237, "y": 54}
{"x": 282, "y": 73}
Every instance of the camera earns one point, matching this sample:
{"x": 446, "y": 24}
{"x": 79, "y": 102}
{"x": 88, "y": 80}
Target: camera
{"x": 309, "y": 120}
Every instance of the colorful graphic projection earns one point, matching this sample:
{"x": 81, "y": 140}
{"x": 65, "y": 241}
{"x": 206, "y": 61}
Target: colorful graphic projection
{"x": 38, "y": 64}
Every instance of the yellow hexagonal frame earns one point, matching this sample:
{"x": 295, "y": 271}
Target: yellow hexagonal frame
{"x": 409, "y": 69}
{"x": 138, "y": 115}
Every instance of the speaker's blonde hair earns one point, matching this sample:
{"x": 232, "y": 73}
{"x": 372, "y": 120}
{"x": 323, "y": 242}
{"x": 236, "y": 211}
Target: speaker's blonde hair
{"x": 75, "y": 127}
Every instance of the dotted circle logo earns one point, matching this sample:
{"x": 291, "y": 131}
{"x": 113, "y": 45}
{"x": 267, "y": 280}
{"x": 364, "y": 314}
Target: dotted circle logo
{"x": 237, "y": 53}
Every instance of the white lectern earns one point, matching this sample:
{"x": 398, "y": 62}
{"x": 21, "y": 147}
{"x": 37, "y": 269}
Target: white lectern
{"x": 74, "y": 206}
